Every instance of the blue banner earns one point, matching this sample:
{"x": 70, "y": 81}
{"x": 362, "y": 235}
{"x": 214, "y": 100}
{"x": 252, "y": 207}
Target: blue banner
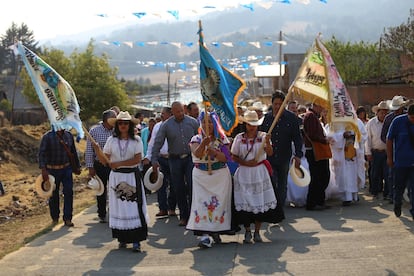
{"x": 220, "y": 88}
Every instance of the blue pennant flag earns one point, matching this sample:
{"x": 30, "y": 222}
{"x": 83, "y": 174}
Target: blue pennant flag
{"x": 220, "y": 88}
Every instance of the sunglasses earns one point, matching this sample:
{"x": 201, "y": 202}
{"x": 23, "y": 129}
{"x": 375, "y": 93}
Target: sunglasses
{"x": 125, "y": 123}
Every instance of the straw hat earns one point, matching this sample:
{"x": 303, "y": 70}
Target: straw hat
{"x": 123, "y": 116}
{"x": 381, "y": 105}
{"x": 97, "y": 185}
{"x": 45, "y": 188}
{"x": 301, "y": 176}
{"x": 250, "y": 117}
{"x": 151, "y": 182}
{"x": 397, "y": 102}
{"x": 258, "y": 106}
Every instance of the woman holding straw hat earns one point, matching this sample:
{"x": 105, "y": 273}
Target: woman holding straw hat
{"x": 128, "y": 216}
{"x": 211, "y": 206}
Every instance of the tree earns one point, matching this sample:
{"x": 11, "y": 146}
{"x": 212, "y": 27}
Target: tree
{"x": 401, "y": 38}
{"x": 15, "y": 33}
{"x": 95, "y": 84}
{"x": 400, "y": 42}
{"x": 360, "y": 62}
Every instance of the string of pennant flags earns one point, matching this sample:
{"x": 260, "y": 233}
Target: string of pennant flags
{"x": 176, "y": 13}
{"x": 189, "y": 44}
{"x": 233, "y": 64}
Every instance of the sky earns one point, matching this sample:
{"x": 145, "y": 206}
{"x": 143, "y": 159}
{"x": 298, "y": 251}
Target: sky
{"x": 51, "y": 18}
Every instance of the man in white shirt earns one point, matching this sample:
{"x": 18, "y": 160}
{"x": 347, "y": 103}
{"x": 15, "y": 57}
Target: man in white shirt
{"x": 375, "y": 150}
{"x": 166, "y": 197}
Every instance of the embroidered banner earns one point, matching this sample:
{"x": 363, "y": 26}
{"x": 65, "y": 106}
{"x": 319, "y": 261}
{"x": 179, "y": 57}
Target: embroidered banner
{"x": 220, "y": 87}
{"x": 55, "y": 93}
{"x": 319, "y": 81}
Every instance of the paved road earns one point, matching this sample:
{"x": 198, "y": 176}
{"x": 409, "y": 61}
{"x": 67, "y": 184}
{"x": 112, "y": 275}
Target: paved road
{"x": 363, "y": 239}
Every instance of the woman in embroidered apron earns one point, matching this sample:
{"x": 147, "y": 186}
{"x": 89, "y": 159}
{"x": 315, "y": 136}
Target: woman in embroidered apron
{"x": 254, "y": 197}
{"x": 128, "y": 216}
{"x": 212, "y": 186}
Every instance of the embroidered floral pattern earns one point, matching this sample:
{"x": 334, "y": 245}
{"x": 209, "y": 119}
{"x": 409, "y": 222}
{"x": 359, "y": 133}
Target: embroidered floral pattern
{"x": 208, "y": 212}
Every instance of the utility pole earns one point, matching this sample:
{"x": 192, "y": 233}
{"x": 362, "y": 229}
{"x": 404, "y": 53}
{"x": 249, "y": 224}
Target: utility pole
{"x": 168, "y": 84}
{"x": 280, "y": 61}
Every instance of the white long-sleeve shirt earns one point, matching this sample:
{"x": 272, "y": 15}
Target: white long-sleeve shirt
{"x": 374, "y": 127}
{"x": 164, "y": 148}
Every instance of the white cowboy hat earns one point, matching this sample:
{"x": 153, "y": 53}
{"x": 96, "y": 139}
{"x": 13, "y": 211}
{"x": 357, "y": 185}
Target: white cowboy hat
{"x": 300, "y": 177}
{"x": 45, "y": 188}
{"x": 250, "y": 117}
{"x": 96, "y": 184}
{"x": 123, "y": 116}
{"x": 153, "y": 184}
{"x": 381, "y": 105}
{"x": 397, "y": 102}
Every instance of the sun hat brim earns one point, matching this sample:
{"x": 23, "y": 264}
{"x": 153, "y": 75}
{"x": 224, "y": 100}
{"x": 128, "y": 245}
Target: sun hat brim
{"x": 40, "y": 186}
{"x": 150, "y": 185}
{"x": 300, "y": 177}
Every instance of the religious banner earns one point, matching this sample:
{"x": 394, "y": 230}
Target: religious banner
{"x": 220, "y": 88}
{"x": 55, "y": 93}
{"x": 318, "y": 81}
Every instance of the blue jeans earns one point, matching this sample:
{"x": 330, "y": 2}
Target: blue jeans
{"x": 181, "y": 179}
{"x": 280, "y": 174}
{"x": 403, "y": 176}
{"x": 63, "y": 176}
{"x": 379, "y": 173}
{"x": 166, "y": 199}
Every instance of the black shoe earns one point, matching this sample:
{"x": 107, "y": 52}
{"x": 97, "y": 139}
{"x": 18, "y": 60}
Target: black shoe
{"x": 102, "y": 219}
{"x": 397, "y": 211}
{"x": 346, "y": 203}
{"x": 216, "y": 238}
{"x": 69, "y": 223}
{"x": 316, "y": 208}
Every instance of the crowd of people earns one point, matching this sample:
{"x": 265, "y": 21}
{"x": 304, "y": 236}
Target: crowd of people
{"x": 219, "y": 182}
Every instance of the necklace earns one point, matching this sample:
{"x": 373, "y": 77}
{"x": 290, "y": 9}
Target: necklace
{"x": 123, "y": 150}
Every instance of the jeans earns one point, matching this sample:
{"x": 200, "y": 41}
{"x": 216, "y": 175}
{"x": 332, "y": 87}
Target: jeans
{"x": 379, "y": 173}
{"x": 103, "y": 173}
{"x": 280, "y": 174}
{"x": 181, "y": 179}
{"x": 166, "y": 194}
{"x": 320, "y": 174}
{"x": 63, "y": 176}
{"x": 403, "y": 176}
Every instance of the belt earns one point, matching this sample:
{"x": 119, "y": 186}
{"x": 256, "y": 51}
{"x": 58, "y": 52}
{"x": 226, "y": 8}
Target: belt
{"x": 57, "y": 167}
{"x": 178, "y": 156}
{"x": 214, "y": 166}
{"x": 164, "y": 156}
{"x": 378, "y": 150}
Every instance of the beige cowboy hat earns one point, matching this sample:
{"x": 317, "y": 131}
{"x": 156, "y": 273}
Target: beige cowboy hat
{"x": 96, "y": 184}
{"x": 151, "y": 181}
{"x": 45, "y": 188}
{"x": 397, "y": 102}
{"x": 381, "y": 105}
{"x": 258, "y": 106}
{"x": 250, "y": 117}
{"x": 123, "y": 116}
{"x": 301, "y": 176}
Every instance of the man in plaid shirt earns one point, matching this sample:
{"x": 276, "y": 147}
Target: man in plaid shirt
{"x": 100, "y": 134}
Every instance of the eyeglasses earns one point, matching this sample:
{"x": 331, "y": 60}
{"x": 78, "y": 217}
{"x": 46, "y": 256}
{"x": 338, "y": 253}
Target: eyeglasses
{"x": 123, "y": 123}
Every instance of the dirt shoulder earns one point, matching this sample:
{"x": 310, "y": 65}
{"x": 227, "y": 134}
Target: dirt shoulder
{"x": 23, "y": 214}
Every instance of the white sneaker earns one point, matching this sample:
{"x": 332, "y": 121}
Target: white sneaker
{"x": 205, "y": 242}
